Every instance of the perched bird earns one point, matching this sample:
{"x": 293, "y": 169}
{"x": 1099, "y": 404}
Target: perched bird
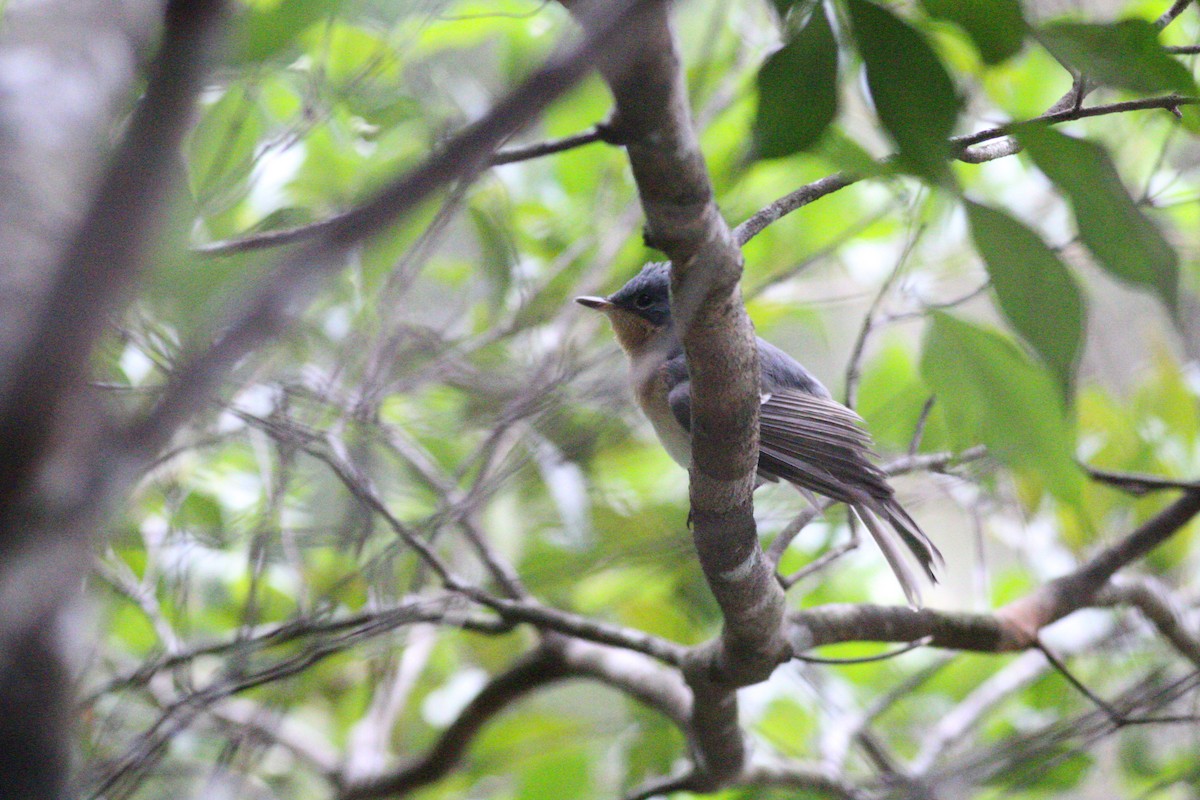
{"x": 805, "y": 436}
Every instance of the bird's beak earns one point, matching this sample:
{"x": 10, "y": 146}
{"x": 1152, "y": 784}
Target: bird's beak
{"x": 597, "y": 303}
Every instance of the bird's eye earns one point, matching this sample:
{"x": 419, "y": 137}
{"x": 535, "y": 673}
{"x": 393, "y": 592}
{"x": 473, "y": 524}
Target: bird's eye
{"x": 643, "y": 301}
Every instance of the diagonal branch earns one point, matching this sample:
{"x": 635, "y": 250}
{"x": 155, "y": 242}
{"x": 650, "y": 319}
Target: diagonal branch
{"x": 1023, "y": 618}
{"x": 1017, "y": 625}
{"x": 821, "y": 187}
{"x": 536, "y": 669}
{"x": 270, "y": 307}
{"x": 552, "y": 661}
{"x": 286, "y": 236}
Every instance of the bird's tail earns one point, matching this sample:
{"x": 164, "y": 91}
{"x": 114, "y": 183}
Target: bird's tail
{"x": 900, "y": 528}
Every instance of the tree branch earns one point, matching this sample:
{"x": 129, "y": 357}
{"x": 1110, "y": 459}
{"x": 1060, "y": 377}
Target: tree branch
{"x": 536, "y": 669}
{"x": 273, "y": 304}
{"x": 49, "y": 415}
{"x": 806, "y": 194}
{"x": 1155, "y": 603}
{"x": 1013, "y": 627}
{"x": 654, "y": 123}
{"x": 301, "y": 233}
{"x": 1023, "y": 618}
{"x": 552, "y": 661}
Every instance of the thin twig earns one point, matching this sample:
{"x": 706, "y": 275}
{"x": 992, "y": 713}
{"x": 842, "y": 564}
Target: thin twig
{"x": 270, "y": 307}
{"x": 1168, "y": 16}
{"x": 914, "y": 444}
{"x": 832, "y": 183}
{"x": 822, "y": 561}
{"x": 854, "y": 362}
{"x": 890, "y": 654}
{"x": 282, "y": 237}
{"x": 540, "y": 149}
{"x": 1138, "y": 483}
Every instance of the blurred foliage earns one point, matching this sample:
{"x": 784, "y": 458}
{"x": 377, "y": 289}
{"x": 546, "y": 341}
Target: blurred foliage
{"x": 448, "y": 365}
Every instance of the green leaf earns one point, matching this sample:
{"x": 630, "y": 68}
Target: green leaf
{"x": 498, "y": 257}
{"x": 1049, "y": 774}
{"x": 891, "y": 398}
{"x": 1034, "y": 289}
{"x": 1124, "y": 54}
{"x": 993, "y": 393}
{"x": 797, "y": 90}
{"x": 914, "y": 97}
{"x": 997, "y": 27}
{"x": 842, "y": 152}
{"x": 784, "y": 7}
{"x": 1125, "y": 242}
{"x": 221, "y": 150}
{"x": 263, "y": 32}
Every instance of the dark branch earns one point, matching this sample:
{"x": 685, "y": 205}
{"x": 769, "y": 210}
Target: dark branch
{"x": 553, "y": 661}
{"x": 302, "y": 233}
{"x": 541, "y": 149}
{"x": 1062, "y": 596}
{"x": 1137, "y": 483}
{"x": 1014, "y": 627}
{"x": 832, "y": 183}
{"x": 108, "y": 251}
{"x": 270, "y": 307}
{"x": 535, "y": 670}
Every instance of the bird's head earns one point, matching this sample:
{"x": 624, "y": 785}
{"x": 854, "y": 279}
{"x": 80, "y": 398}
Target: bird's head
{"x": 640, "y": 310}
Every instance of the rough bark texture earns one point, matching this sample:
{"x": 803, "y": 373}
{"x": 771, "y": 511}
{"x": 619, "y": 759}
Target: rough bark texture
{"x": 654, "y": 123}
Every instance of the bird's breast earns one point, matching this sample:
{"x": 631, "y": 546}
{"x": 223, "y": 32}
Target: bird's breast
{"x": 651, "y": 390}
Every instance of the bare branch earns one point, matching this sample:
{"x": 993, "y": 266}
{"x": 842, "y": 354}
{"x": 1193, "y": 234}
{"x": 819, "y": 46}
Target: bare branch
{"x": 541, "y": 149}
{"x": 1138, "y": 483}
{"x": 654, "y": 123}
{"x": 269, "y": 308}
{"x": 786, "y": 536}
{"x": 581, "y": 627}
{"x": 552, "y": 661}
{"x": 538, "y": 668}
{"x": 933, "y": 462}
{"x": 789, "y": 203}
{"x": 1165, "y": 102}
{"x": 445, "y": 610}
{"x": 1013, "y": 627}
{"x": 1061, "y": 596}
{"x": 832, "y": 183}
{"x": 301, "y": 233}
{"x": 1155, "y": 603}
{"x": 1168, "y": 16}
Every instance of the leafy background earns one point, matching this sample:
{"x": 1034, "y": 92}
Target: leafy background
{"x": 1046, "y": 299}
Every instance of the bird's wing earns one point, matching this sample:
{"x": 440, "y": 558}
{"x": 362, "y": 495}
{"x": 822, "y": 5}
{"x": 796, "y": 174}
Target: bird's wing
{"x": 818, "y": 443}
{"x": 813, "y": 442}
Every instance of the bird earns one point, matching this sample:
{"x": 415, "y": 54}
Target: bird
{"x": 806, "y": 438}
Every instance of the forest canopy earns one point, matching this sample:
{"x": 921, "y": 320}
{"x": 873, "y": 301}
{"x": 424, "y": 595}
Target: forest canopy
{"x": 292, "y": 383}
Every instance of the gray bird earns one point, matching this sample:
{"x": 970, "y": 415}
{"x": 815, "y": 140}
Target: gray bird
{"x": 805, "y": 436}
